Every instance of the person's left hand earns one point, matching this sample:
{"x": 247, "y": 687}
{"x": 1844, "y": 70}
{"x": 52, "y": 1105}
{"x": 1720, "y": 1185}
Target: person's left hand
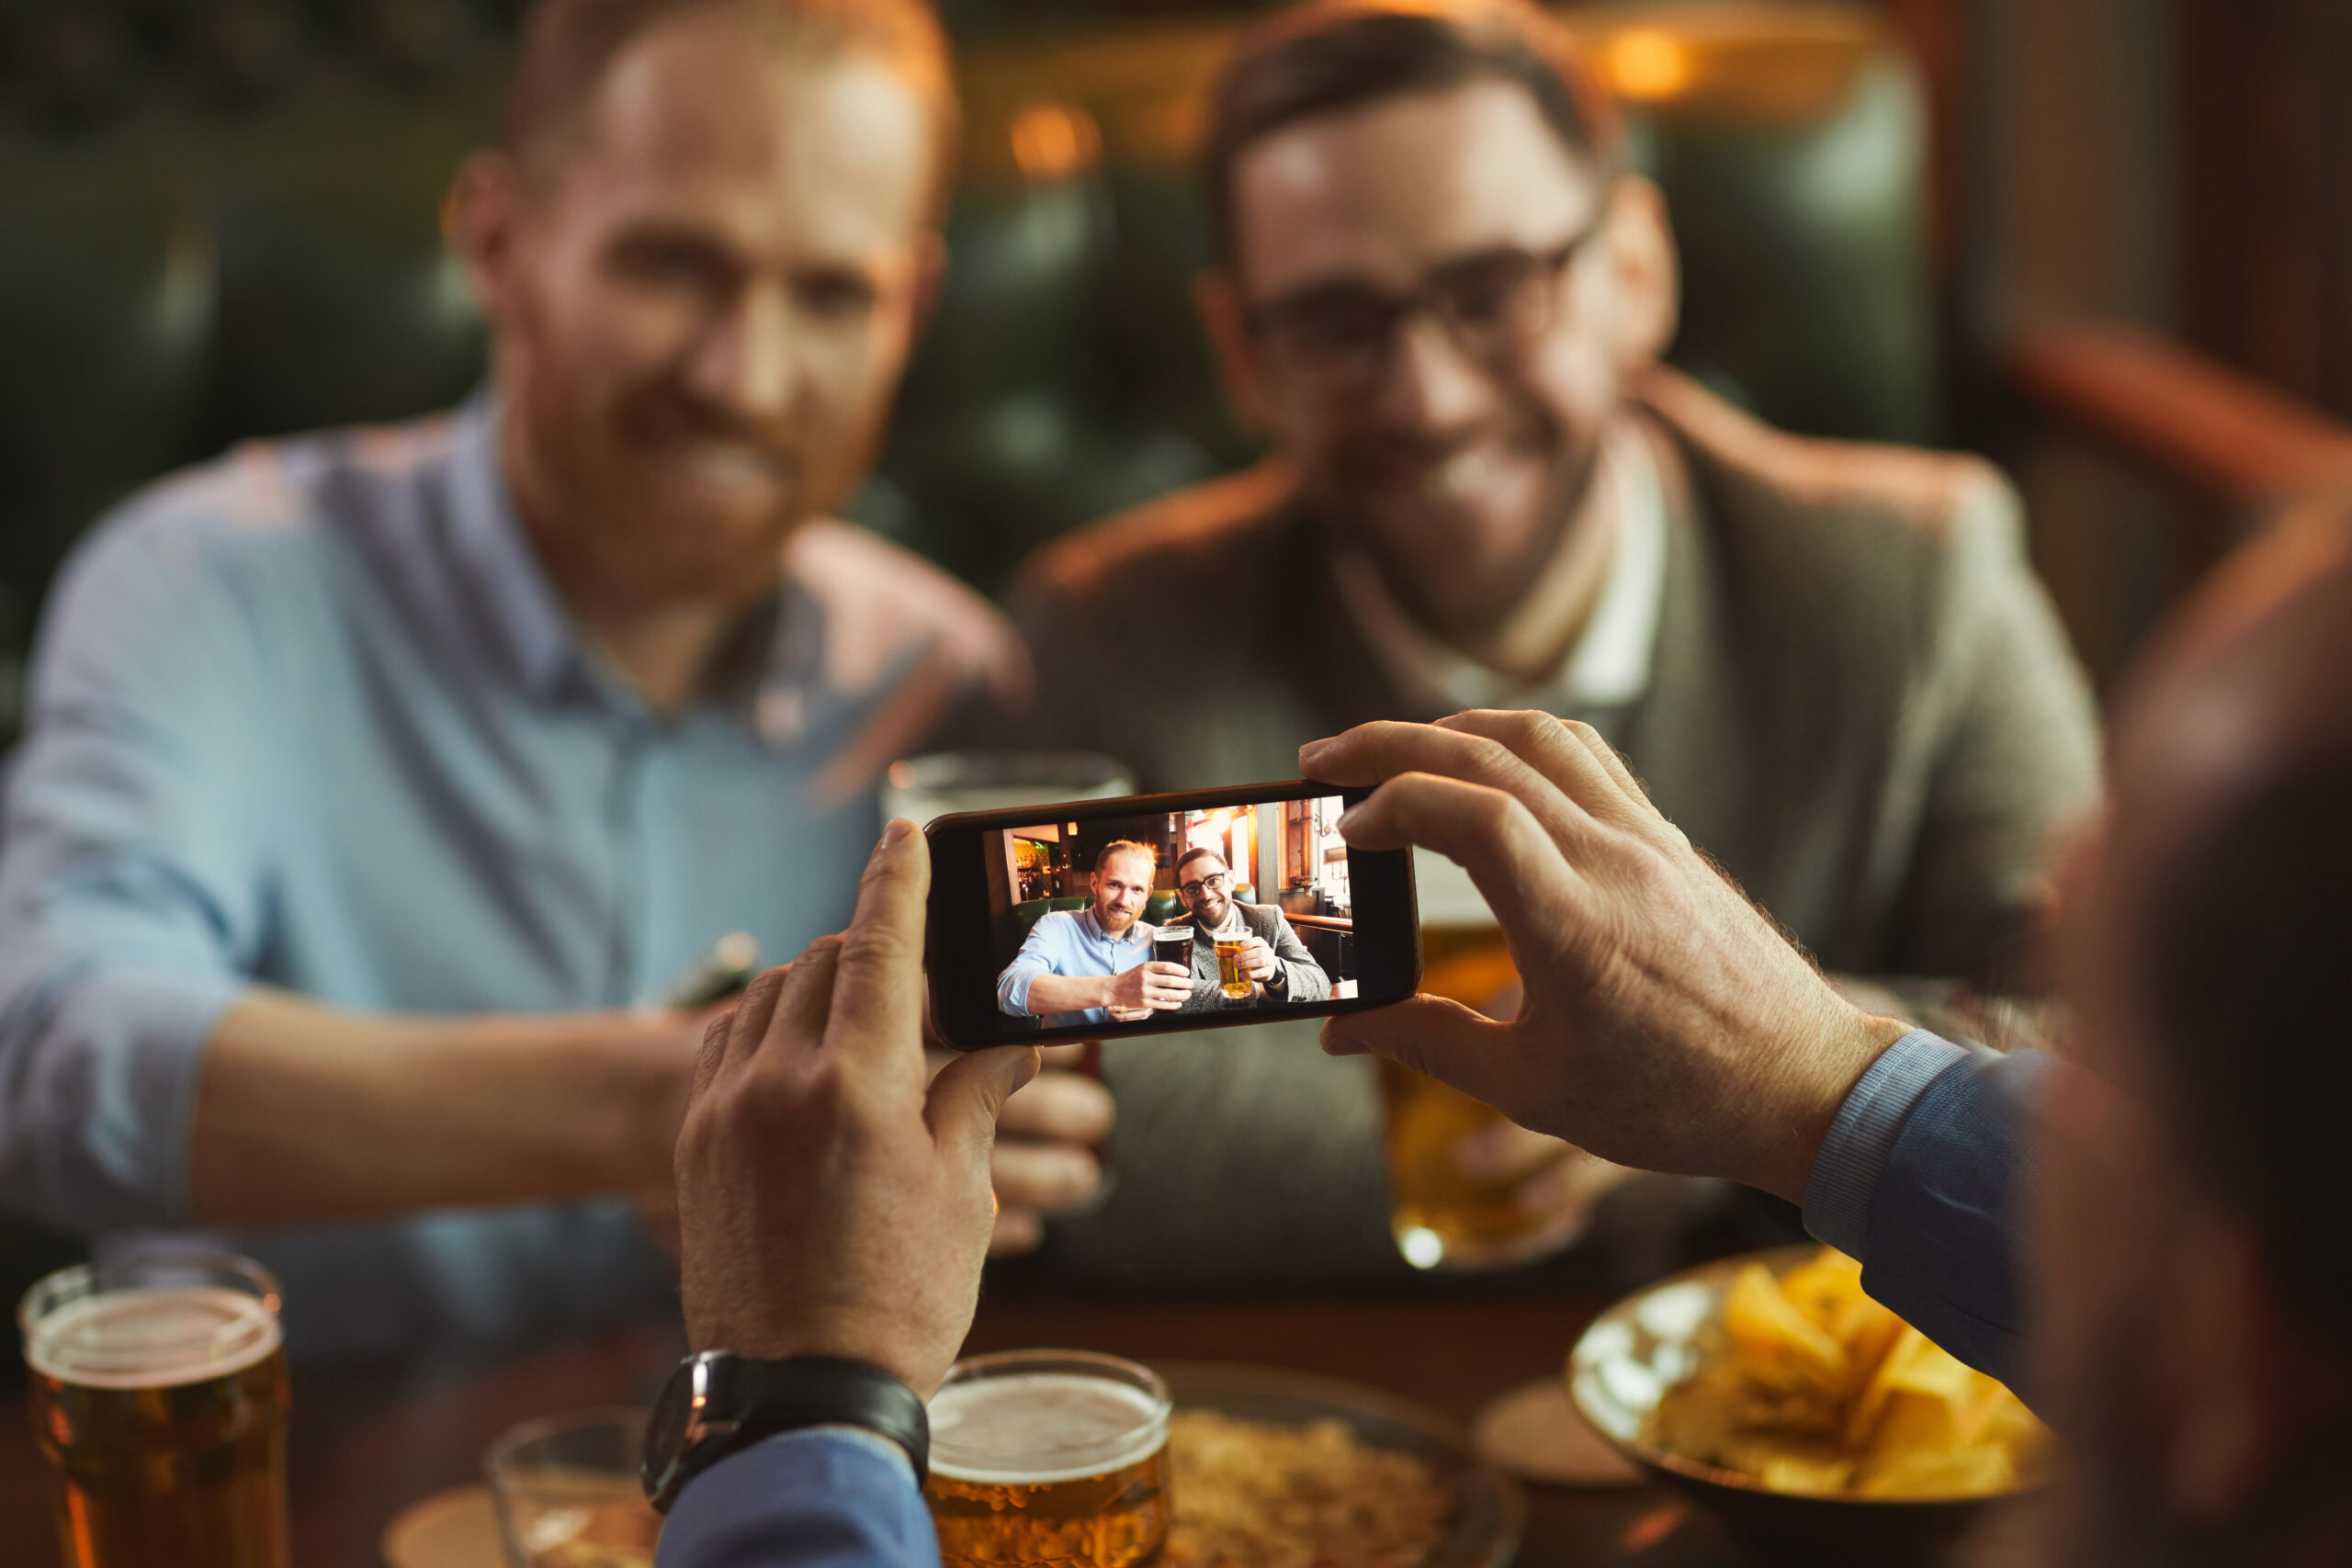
{"x": 830, "y": 1203}
{"x": 1258, "y": 960}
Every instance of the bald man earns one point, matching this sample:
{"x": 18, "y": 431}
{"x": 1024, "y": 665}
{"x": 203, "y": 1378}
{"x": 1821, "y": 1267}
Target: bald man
{"x": 376, "y": 783}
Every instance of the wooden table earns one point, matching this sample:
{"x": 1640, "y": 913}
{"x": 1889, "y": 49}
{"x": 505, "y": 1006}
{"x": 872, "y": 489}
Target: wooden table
{"x": 365, "y": 1444}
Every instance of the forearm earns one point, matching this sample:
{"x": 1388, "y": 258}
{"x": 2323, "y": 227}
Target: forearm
{"x": 306, "y": 1113}
{"x": 1071, "y": 993}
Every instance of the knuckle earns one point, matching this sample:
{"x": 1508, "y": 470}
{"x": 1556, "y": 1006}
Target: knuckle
{"x": 759, "y": 994}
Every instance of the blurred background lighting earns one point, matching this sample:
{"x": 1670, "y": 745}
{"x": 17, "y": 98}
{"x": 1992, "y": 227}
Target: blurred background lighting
{"x": 1648, "y": 65}
{"x": 1053, "y": 142}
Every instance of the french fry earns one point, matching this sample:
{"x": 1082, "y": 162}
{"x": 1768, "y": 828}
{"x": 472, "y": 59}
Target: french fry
{"x": 1810, "y": 1386}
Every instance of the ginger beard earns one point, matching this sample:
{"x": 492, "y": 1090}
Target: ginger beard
{"x": 701, "y": 306}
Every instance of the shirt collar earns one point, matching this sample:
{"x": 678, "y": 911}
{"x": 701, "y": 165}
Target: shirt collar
{"x": 499, "y": 558}
{"x": 1609, "y": 665}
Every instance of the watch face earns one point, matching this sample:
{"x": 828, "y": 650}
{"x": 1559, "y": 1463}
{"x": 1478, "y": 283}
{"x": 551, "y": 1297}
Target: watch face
{"x": 673, "y": 1419}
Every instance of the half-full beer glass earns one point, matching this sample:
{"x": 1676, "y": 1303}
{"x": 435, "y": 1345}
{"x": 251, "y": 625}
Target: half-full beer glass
{"x": 1230, "y": 980}
{"x": 1468, "y": 1187}
{"x": 1050, "y": 1457}
{"x": 159, "y": 1395}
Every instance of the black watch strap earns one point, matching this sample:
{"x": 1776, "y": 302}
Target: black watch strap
{"x": 764, "y": 1398}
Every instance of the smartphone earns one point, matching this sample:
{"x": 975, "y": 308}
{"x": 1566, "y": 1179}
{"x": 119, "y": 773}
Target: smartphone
{"x": 1153, "y": 913}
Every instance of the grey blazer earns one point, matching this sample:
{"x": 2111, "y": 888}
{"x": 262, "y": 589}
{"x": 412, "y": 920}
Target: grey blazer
{"x": 1302, "y": 978}
{"x": 1861, "y": 706}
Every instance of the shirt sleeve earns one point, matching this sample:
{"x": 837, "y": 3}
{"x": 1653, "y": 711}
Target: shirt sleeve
{"x": 131, "y": 887}
{"x": 1920, "y": 1179}
{"x": 821, "y": 1497}
{"x": 1035, "y": 958}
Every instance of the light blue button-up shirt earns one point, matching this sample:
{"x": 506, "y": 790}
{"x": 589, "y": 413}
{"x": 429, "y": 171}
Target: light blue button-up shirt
{"x": 312, "y": 715}
{"x": 1067, "y": 941}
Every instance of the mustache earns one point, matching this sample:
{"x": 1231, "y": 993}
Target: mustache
{"x": 668, "y": 414}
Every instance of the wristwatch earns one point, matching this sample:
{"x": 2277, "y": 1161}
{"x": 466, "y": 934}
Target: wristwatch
{"x": 717, "y": 1402}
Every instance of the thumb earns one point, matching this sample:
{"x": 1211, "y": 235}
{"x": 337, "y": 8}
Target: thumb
{"x": 1433, "y": 1035}
{"x": 968, "y": 1092}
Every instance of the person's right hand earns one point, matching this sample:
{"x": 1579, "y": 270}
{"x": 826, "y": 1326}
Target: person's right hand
{"x": 1666, "y": 1023}
{"x": 829, "y": 1204}
{"x": 1153, "y": 986}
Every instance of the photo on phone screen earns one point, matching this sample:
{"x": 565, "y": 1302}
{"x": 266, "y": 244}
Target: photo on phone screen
{"x": 1160, "y": 912}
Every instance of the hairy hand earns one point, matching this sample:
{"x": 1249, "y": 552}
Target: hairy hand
{"x": 1666, "y": 1023}
{"x": 831, "y": 1203}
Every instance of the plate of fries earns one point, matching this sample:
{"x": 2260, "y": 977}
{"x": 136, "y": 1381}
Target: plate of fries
{"x": 1799, "y": 1410}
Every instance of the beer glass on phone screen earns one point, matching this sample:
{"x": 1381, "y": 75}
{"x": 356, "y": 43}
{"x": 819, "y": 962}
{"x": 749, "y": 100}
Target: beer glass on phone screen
{"x": 1231, "y": 978}
{"x": 159, "y": 1397}
{"x": 1049, "y": 1456}
{"x": 1172, "y": 945}
{"x": 1468, "y": 1187}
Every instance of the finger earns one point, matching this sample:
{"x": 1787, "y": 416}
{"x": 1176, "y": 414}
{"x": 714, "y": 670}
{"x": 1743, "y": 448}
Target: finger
{"x": 1488, "y": 832}
{"x": 878, "y": 996}
{"x": 1017, "y": 1231}
{"x": 968, "y": 1093}
{"x": 1457, "y": 754}
{"x": 797, "y": 1021}
{"x": 1433, "y": 1036}
{"x": 712, "y": 1051}
{"x": 1047, "y": 1178}
{"x": 1059, "y": 1106}
{"x": 1573, "y": 758}
{"x": 749, "y": 1022}
{"x": 791, "y": 999}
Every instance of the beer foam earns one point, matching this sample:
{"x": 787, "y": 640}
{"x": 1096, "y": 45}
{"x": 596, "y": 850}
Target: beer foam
{"x": 153, "y": 1338}
{"x": 1029, "y": 1429}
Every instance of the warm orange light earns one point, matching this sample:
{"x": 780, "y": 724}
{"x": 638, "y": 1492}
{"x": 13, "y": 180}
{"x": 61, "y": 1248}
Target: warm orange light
{"x": 1053, "y": 142}
{"x": 1644, "y": 63}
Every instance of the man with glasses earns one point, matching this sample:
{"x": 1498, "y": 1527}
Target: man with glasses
{"x": 1276, "y": 963}
{"x": 1442, "y": 298}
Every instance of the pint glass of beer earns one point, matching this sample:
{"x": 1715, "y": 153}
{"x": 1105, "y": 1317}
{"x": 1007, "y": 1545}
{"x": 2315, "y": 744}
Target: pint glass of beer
{"x": 159, "y": 1395}
{"x": 1172, "y": 945}
{"x": 1230, "y": 979}
{"x": 1049, "y": 1456}
{"x": 1468, "y": 1188}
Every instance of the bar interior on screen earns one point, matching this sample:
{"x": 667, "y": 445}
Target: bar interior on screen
{"x": 1112, "y": 920}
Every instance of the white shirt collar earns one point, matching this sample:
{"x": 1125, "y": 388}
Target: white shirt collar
{"x": 1609, "y": 665}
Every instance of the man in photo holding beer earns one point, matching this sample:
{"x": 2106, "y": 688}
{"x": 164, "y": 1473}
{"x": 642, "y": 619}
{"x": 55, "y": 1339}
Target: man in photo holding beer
{"x": 1242, "y": 954}
{"x": 377, "y": 786}
{"x": 1097, "y": 965}
{"x": 1442, "y": 297}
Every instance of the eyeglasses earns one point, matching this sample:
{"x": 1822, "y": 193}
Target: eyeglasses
{"x": 1215, "y": 882}
{"x": 1495, "y": 306}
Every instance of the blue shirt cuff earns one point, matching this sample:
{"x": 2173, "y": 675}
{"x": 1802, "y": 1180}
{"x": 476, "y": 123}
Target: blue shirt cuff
{"x": 1847, "y": 1169}
{"x": 832, "y": 1496}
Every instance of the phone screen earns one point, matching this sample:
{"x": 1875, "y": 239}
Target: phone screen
{"x": 1163, "y": 912}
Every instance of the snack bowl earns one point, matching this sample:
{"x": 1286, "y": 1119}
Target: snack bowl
{"x": 1653, "y": 1339}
